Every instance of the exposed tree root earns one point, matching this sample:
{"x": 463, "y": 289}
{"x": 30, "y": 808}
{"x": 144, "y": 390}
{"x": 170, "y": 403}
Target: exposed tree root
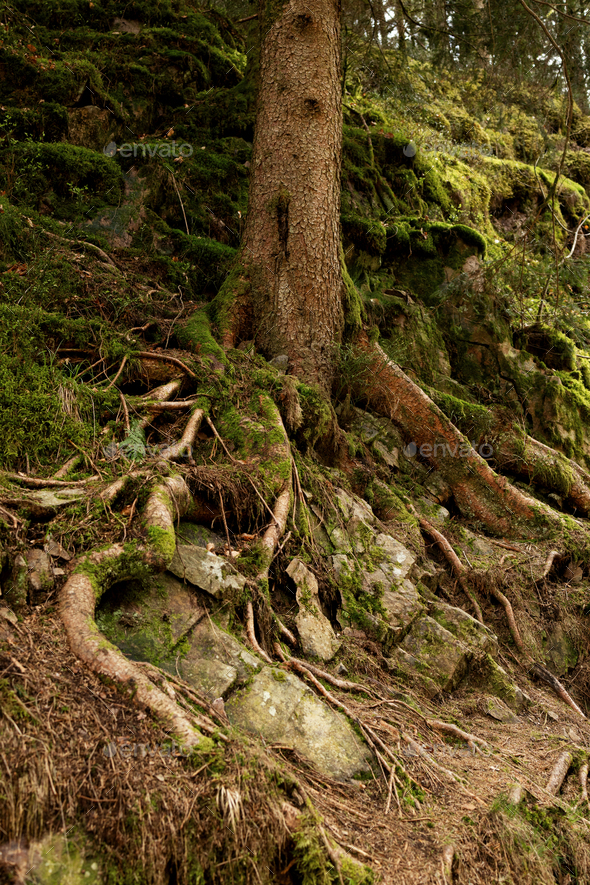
{"x": 546, "y": 468}
{"x": 479, "y": 493}
{"x": 537, "y": 668}
{"x": 549, "y": 564}
{"x": 165, "y": 358}
{"x": 544, "y": 674}
{"x": 39, "y": 483}
{"x": 507, "y": 606}
{"x": 455, "y": 563}
{"x": 583, "y": 778}
{"x": 172, "y": 453}
{"x": 448, "y": 728}
{"x": 251, "y": 633}
{"x": 96, "y": 572}
{"x": 559, "y": 772}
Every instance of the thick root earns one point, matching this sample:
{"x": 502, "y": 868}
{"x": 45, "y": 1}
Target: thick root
{"x": 96, "y": 572}
{"x": 479, "y": 493}
{"x": 547, "y": 469}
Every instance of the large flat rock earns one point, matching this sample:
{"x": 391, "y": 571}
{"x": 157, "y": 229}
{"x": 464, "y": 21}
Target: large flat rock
{"x": 211, "y": 573}
{"x": 215, "y": 661}
{"x": 281, "y": 709}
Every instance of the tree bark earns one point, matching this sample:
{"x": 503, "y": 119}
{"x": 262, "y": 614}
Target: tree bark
{"x": 290, "y": 257}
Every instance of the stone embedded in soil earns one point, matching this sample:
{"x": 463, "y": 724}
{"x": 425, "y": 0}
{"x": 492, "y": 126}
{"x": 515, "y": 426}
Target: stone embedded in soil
{"x": 559, "y": 650}
{"x": 464, "y": 627}
{"x": 497, "y": 709}
{"x": 281, "y": 709}
{"x": 403, "y": 605}
{"x": 317, "y": 636}
{"x": 205, "y": 570}
{"x": 436, "y": 652}
{"x": 41, "y": 579}
{"x": 199, "y": 535}
{"x": 216, "y": 661}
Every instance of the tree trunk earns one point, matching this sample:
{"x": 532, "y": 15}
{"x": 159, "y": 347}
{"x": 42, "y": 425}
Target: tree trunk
{"x": 290, "y": 256}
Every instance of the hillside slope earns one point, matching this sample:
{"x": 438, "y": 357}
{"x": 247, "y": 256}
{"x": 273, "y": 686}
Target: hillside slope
{"x": 248, "y": 634}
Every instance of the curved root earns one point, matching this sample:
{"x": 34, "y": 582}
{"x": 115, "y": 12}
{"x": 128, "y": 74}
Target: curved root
{"x": 455, "y": 562}
{"x": 96, "y": 572}
{"x": 479, "y": 493}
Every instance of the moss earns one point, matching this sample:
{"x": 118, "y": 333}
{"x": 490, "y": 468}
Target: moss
{"x": 471, "y": 419}
{"x": 317, "y": 413}
{"x": 61, "y": 176}
{"x": 163, "y": 542}
{"x": 197, "y": 335}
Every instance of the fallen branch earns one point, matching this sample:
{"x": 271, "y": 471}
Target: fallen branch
{"x": 560, "y": 769}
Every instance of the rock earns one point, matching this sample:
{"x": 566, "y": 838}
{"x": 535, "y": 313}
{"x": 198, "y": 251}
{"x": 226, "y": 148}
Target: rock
{"x": 464, "y": 627}
{"x": 341, "y": 670}
{"x": 498, "y": 710}
{"x": 148, "y": 624}
{"x": 281, "y": 709}
{"x": 434, "y": 513}
{"x": 55, "y": 549}
{"x": 89, "y": 127}
{"x": 497, "y": 681}
{"x": 206, "y": 570}
{"x": 55, "y": 859}
{"x": 436, "y": 651}
{"x": 405, "y": 664}
{"x": 198, "y": 535}
{"x": 15, "y": 589}
{"x": 559, "y": 651}
{"x": 351, "y": 506}
{"x": 216, "y": 661}
{"x": 315, "y": 631}
{"x": 372, "y": 429}
{"x": 398, "y": 559}
{"x": 126, "y": 26}
{"x": 391, "y": 457}
{"x": 474, "y": 545}
{"x": 403, "y": 605}
{"x": 41, "y": 579}
{"x": 280, "y": 362}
